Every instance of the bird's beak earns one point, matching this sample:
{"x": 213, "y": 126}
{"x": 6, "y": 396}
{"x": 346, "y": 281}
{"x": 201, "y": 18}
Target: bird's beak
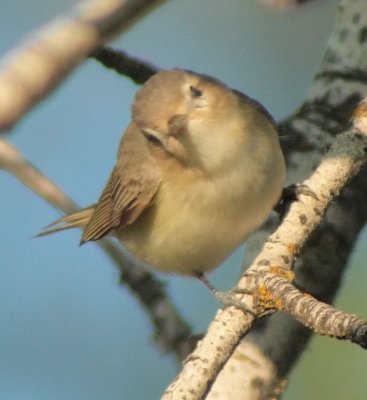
{"x": 176, "y": 124}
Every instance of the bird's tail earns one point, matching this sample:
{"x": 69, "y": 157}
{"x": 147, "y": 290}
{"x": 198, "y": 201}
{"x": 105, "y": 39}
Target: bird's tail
{"x": 78, "y": 219}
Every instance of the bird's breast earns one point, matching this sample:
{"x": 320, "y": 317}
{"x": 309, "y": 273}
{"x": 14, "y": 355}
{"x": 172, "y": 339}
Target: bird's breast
{"x": 195, "y": 222}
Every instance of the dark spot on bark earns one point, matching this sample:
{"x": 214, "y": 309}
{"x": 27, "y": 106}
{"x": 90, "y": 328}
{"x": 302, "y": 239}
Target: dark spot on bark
{"x": 356, "y": 18}
{"x": 362, "y": 35}
{"x": 331, "y": 57}
{"x": 257, "y": 383}
{"x": 317, "y": 211}
{"x": 285, "y": 259}
{"x": 343, "y": 34}
{"x": 263, "y": 263}
{"x": 302, "y": 219}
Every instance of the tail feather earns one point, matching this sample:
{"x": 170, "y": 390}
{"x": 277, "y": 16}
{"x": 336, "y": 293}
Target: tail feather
{"x": 78, "y": 219}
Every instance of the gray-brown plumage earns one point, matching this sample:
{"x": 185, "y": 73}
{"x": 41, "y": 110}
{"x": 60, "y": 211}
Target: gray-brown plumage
{"x": 129, "y": 190}
{"x": 197, "y": 170}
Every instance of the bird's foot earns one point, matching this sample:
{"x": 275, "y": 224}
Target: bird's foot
{"x": 289, "y": 194}
{"x": 228, "y": 298}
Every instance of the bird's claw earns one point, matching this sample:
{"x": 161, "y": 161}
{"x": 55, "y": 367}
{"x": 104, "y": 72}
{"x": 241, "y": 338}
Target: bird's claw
{"x": 292, "y": 193}
{"x": 228, "y": 299}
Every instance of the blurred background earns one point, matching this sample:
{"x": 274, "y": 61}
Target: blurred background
{"x": 68, "y": 329}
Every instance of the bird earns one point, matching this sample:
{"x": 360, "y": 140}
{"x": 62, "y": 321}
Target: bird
{"x": 198, "y": 169}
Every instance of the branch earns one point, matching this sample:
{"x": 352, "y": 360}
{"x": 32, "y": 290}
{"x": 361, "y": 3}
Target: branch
{"x": 280, "y": 339}
{"x": 322, "y": 318}
{"x": 43, "y": 61}
{"x": 320, "y": 268}
{"x": 138, "y": 70}
{"x": 271, "y": 269}
{"x": 172, "y": 333}
{"x": 280, "y": 4}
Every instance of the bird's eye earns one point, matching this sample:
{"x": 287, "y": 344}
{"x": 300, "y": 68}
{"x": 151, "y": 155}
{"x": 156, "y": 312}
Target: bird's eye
{"x": 152, "y": 139}
{"x": 195, "y": 92}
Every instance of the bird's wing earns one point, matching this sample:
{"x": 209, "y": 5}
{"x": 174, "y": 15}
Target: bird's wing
{"x": 129, "y": 190}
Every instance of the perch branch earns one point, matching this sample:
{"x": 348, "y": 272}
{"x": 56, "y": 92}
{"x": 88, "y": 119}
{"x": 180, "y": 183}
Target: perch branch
{"x": 320, "y": 268}
{"x": 271, "y": 269}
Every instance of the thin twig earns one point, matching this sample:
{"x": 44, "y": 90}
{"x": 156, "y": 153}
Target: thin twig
{"x": 137, "y": 70}
{"x": 280, "y": 4}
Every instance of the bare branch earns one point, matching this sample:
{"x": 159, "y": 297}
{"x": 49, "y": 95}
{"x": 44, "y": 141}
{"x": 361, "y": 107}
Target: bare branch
{"x": 40, "y": 64}
{"x": 138, "y": 70}
{"x": 13, "y": 162}
{"x": 272, "y": 268}
{"x": 320, "y": 317}
{"x": 172, "y": 333}
{"x": 320, "y": 268}
{"x": 282, "y": 3}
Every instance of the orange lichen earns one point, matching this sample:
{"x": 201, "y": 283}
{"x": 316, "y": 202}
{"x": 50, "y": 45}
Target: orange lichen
{"x": 292, "y": 248}
{"x": 279, "y": 305}
{"x": 285, "y": 273}
{"x": 265, "y": 298}
{"x": 279, "y": 387}
{"x": 263, "y": 291}
{"x": 360, "y": 111}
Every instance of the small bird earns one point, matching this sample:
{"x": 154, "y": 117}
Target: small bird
{"x": 198, "y": 168}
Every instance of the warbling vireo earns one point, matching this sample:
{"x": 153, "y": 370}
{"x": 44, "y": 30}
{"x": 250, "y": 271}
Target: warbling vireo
{"x": 198, "y": 168}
